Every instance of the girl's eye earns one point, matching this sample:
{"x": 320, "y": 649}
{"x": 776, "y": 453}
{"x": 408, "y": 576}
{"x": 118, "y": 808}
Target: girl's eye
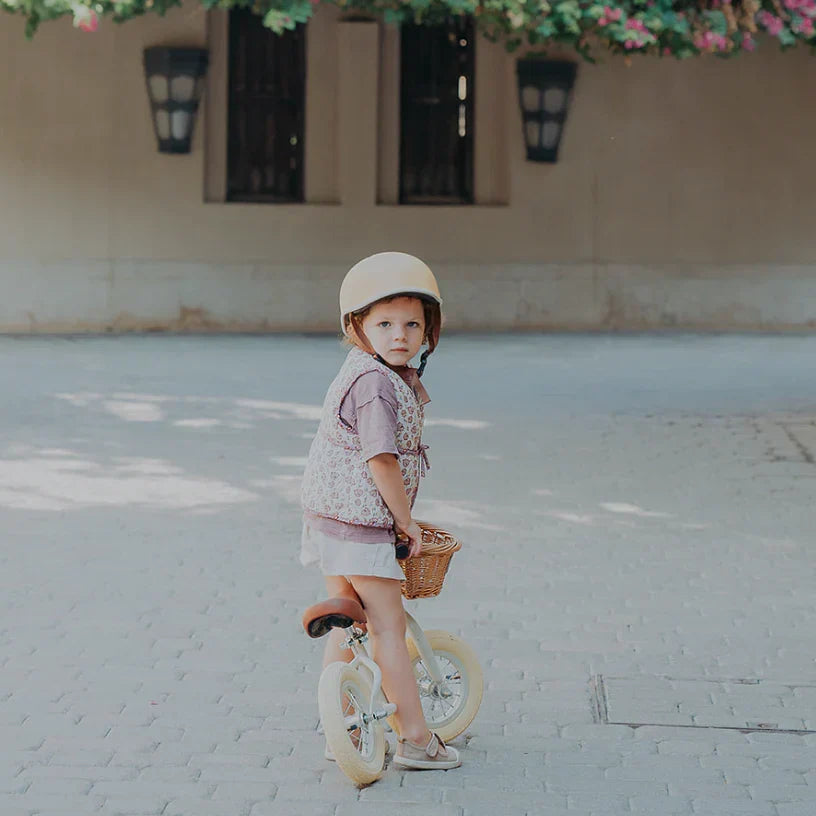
{"x": 413, "y": 324}
{"x": 383, "y": 324}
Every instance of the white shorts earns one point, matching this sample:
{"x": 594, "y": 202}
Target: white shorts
{"x": 335, "y": 556}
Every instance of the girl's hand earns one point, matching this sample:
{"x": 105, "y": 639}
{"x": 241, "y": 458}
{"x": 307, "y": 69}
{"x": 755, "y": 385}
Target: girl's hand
{"x": 413, "y": 533}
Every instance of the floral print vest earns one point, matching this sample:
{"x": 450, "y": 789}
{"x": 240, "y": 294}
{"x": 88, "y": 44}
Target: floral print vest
{"x": 337, "y": 483}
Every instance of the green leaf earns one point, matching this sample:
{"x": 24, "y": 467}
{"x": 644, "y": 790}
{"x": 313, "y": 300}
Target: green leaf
{"x": 786, "y": 37}
{"x": 676, "y": 23}
{"x": 569, "y": 8}
{"x": 545, "y": 29}
{"x": 717, "y": 22}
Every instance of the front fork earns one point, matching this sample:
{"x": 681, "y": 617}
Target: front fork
{"x": 356, "y": 640}
{"x": 378, "y": 707}
{"x": 424, "y": 648}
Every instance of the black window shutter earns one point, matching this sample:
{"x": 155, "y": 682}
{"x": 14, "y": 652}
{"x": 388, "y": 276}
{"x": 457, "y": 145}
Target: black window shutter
{"x": 436, "y": 107}
{"x": 267, "y": 99}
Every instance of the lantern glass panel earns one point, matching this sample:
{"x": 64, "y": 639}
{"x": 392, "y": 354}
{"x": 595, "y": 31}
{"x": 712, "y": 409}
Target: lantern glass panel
{"x": 550, "y": 134}
{"x": 180, "y": 124}
{"x": 533, "y": 133}
{"x": 530, "y": 98}
{"x": 555, "y": 100}
{"x": 163, "y": 124}
{"x": 158, "y": 87}
{"x": 182, "y": 88}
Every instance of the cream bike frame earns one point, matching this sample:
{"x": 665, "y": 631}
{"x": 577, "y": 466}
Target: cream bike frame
{"x": 353, "y": 704}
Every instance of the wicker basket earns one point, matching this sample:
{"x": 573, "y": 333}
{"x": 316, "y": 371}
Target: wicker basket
{"x": 425, "y": 572}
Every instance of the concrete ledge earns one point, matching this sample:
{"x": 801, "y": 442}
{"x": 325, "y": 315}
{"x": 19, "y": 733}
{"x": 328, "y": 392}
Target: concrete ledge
{"x": 137, "y": 295}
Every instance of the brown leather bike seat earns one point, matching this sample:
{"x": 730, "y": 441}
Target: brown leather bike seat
{"x": 331, "y": 613}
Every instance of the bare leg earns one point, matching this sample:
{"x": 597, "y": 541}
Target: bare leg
{"x": 336, "y": 587}
{"x": 386, "y": 629}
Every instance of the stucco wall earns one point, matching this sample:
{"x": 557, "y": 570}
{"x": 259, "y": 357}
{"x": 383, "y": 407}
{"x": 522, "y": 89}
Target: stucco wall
{"x": 683, "y": 196}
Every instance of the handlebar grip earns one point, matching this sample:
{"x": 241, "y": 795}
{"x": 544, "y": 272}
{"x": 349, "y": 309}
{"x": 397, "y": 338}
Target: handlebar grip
{"x": 402, "y": 550}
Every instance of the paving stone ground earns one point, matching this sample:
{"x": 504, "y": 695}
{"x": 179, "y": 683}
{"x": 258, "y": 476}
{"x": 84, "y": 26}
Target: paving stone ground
{"x": 638, "y": 520}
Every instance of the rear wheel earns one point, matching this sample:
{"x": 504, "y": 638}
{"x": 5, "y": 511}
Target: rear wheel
{"x": 356, "y": 740}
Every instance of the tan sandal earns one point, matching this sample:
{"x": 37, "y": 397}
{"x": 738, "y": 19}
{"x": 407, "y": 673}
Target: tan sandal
{"x": 435, "y": 756}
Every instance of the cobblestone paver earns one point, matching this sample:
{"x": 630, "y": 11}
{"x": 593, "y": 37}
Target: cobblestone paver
{"x": 637, "y": 515}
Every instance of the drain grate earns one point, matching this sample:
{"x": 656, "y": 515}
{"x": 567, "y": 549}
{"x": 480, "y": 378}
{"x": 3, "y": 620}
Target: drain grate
{"x": 740, "y": 705}
{"x": 803, "y": 437}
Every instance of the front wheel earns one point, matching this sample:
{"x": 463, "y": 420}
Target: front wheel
{"x": 357, "y": 740}
{"x": 449, "y": 706}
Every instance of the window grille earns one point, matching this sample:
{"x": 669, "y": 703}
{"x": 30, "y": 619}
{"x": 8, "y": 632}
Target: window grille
{"x": 436, "y": 108}
{"x": 267, "y": 84}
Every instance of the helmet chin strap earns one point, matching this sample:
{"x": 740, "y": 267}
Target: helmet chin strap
{"x": 423, "y": 361}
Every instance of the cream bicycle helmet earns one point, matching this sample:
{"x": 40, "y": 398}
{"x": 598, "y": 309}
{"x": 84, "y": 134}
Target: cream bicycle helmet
{"x": 388, "y": 274}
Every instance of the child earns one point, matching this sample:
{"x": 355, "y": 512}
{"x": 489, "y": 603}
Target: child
{"x": 363, "y": 473}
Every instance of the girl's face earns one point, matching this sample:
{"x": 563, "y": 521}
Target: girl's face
{"x": 395, "y": 329}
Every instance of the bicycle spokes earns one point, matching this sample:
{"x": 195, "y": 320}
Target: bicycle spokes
{"x": 441, "y": 698}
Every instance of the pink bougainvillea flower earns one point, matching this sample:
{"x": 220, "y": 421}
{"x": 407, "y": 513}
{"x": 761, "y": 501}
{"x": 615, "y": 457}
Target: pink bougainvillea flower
{"x": 804, "y": 26}
{"x": 603, "y": 21}
{"x": 771, "y": 22}
{"x": 635, "y": 25}
{"x": 748, "y": 42}
{"x": 85, "y": 19}
{"x": 709, "y": 41}
{"x": 91, "y": 24}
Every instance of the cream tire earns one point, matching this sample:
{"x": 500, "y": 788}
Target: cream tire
{"x": 360, "y": 752}
{"x": 448, "y": 709}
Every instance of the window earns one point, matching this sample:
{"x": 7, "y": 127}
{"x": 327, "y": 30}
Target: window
{"x": 436, "y": 113}
{"x": 267, "y": 82}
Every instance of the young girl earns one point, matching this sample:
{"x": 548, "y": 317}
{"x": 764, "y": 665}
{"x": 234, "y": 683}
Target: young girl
{"x": 363, "y": 473}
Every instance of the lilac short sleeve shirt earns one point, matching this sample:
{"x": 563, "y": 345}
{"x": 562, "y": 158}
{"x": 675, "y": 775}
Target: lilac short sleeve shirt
{"x": 370, "y": 409}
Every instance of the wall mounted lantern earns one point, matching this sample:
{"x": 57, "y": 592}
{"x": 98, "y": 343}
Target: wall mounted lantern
{"x": 175, "y": 82}
{"x": 545, "y": 87}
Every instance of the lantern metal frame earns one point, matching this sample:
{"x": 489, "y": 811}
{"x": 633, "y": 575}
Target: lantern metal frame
{"x": 175, "y": 83}
{"x": 545, "y": 91}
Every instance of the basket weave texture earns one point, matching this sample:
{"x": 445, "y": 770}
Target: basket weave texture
{"x": 425, "y": 572}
